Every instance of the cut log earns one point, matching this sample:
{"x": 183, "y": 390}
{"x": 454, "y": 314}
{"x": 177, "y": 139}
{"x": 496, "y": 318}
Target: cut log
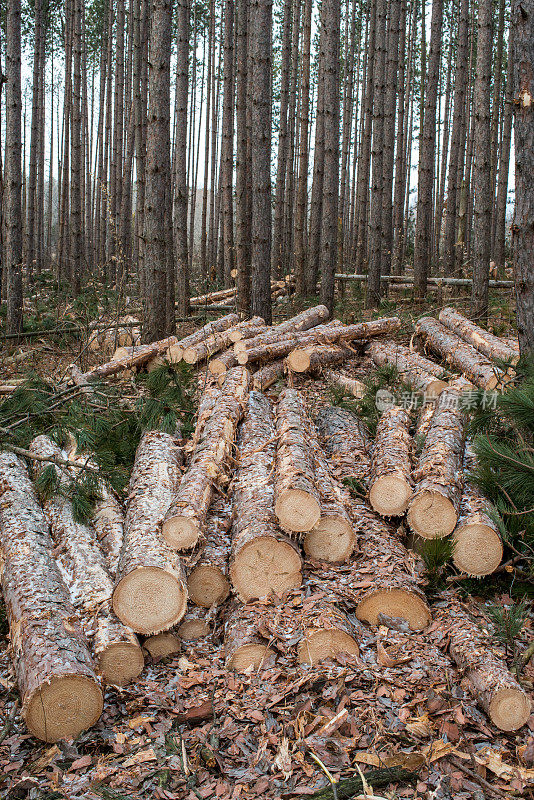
{"x": 332, "y": 538}
{"x": 327, "y": 632}
{"x": 347, "y": 444}
{"x": 210, "y": 396}
{"x": 185, "y": 521}
{"x": 195, "y": 625}
{"x": 163, "y": 645}
{"x": 477, "y": 542}
{"x": 58, "y": 687}
{"x": 268, "y": 375}
{"x": 390, "y": 484}
{"x": 117, "y": 651}
{"x": 314, "y": 357}
{"x": 263, "y": 559}
{"x": 244, "y": 646}
{"x": 433, "y": 510}
{"x": 348, "y": 385}
{"x": 108, "y": 522}
{"x": 272, "y": 337}
{"x": 208, "y": 583}
{"x": 222, "y": 363}
{"x": 484, "y": 341}
{"x": 213, "y": 297}
{"x": 220, "y": 341}
{"x": 421, "y": 373}
{"x": 296, "y": 501}
{"x": 422, "y": 426}
{"x": 488, "y": 677}
{"x": 384, "y": 579}
{"x": 151, "y": 593}
{"x": 460, "y": 355}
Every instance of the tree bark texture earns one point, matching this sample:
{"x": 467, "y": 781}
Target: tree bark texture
{"x": 484, "y": 341}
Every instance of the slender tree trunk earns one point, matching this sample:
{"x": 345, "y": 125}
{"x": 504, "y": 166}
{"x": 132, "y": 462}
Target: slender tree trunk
{"x": 278, "y": 227}
{"x": 76, "y": 206}
{"x": 35, "y": 140}
{"x": 227, "y": 146}
{"x": 180, "y": 157}
{"x": 496, "y": 107}
{"x": 504, "y": 162}
{"x": 316, "y": 210}
{"x": 482, "y": 176}
{"x": 301, "y": 216}
{"x": 348, "y": 109}
{"x": 209, "y": 82}
{"x": 400, "y": 155}
{"x": 243, "y": 199}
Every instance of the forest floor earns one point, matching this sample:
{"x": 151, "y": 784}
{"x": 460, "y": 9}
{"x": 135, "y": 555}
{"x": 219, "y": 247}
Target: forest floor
{"x": 188, "y": 728}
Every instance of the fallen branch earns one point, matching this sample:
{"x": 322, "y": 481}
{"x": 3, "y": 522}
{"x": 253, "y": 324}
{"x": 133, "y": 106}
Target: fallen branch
{"x": 349, "y": 787}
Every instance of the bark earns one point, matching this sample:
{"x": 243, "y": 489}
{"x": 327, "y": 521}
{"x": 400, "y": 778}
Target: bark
{"x": 504, "y": 162}
{"x": 108, "y": 522}
{"x": 347, "y": 443}
{"x": 57, "y": 683}
{"x": 243, "y": 189}
{"x": 317, "y": 357}
{"x": 419, "y": 372}
{"x": 281, "y": 167}
{"x": 263, "y": 560}
{"x": 244, "y": 644}
{"x": 482, "y": 207}
{"x": 261, "y": 48}
{"x": 422, "y": 426}
{"x": 303, "y": 158}
{"x": 477, "y": 542}
{"x": 458, "y": 354}
{"x": 180, "y": 158}
{"x": 227, "y": 146}
{"x": 316, "y": 204}
{"x": 489, "y": 680}
{"x": 482, "y": 340}
{"x": 268, "y": 374}
{"x": 185, "y": 521}
{"x": 384, "y": 579}
{"x": 82, "y": 564}
{"x": 423, "y": 228}
{"x": 390, "y": 484}
{"x": 347, "y": 385}
{"x": 208, "y": 583}
{"x": 220, "y": 341}
{"x": 297, "y": 502}
{"x": 523, "y": 232}
{"x": 34, "y": 143}
{"x": 433, "y": 510}
{"x": 150, "y": 594}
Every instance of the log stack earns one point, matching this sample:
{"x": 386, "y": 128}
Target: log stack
{"x": 485, "y": 342}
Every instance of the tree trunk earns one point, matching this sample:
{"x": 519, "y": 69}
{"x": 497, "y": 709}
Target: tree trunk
{"x": 301, "y": 216}
{"x": 243, "y": 196}
{"x": 433, "y": 510}
{"x": 180, "y": 159}
{"x": 482, "y": 340}
{"x": 150, "y": 594}
{"x": 57, "y": 684}
{"x": 316, "y": 357}
{"x": 316, "y": 204}
{"x": 35, "y": 142}
{"x": 208, "y": 583}
{"x": 263, "y": 560}
{"x": 523, "y": 59}
{"x": 421, "y": 373}
{"x": 185, "y": 521}
{"x": 281, "y": 169}
{"x": 504, "y": 162}
{"x": 482, "y": 178}
{"x": 390, "y": 484}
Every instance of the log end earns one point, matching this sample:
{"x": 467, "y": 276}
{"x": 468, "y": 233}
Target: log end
{"x": 318, "y": 645}
{"x": 435, "y": 388}
{"x": 120, "y": 352}
{"x": 242, "y": 357}
{"x": 207, "y": 586}
{"x": 509, "y": 709}
{"x": 63, "y": 708}
{"x": 216, "y": 366}
{"x": 192, "y": 629}
{"x": 175, "y": 353}
{"x": 390, "y": 495}
{"x": 121, "y": 663}
{"x": 189, "y": 355}
{"x": 150, "y": 600}
{"x": 239, "y": 347}
{"x": 297, "y": 510}
{"x": 331, "y": 540}
{"x": 249, "y": 655}
{"x": 162, "y": 645}
{"x": 431, "y": 515}
{"x": 155, "y": 362}
{"x": 396, "y": 603}
{"x": 299, "y": 360}
{"x": 265, "y": 565}
{"x": 235, "y": 336}
{"x": 477, "y": 549}
{"x": 180, "y": 532}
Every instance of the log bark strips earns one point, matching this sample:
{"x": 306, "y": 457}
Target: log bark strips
{"x": 489, "y": 679}
{"x": 421, "y": 373}
{"x": 263, "y": 559}
{"x": 56, "y": 679}
{"x": 150, "y": 594}
{"x": 485, "y": 342}
{"x": 296, "y": 497}
{"x": 459, "y": 354}
{"x": 390, "y": 484}
{"x": 208, "y": 583}
{"x": 433, "y": 510}
{"x": 477, "y": 542}
{"x": 347, "y": 444}
{"x": 185, "y": 521}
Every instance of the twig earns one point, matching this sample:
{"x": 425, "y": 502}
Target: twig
{"x": 476, "y": 777}
{"x": 60, "y": 462}
{"x": 327, "y": 773}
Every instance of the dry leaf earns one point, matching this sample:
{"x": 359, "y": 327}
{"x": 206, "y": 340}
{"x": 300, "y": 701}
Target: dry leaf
{"x": 141, "y": 757}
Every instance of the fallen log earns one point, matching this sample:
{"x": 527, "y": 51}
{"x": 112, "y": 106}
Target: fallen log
{"x": 314, "y": 357}
{"x": 208, "y": 583}
{"x": 223, "y": 339}
{"x": 390, "y": 483}
{"x": 244, "y": 645}
{"x": 482, "y": 340}
{"x": 222, "y": 363}
{"x": 489, "y": 679}
{"x": 268, "y": 375}
{"x": 477, "y": 546}
{"x": 296, "y": 498}
{"x": 348, "y": 385}
{"x": 58, "y": 687}
{"x": 326, "y": 631}
{"x": 163, "y": 645}
{"x": 408, "y": 281}
{"x": 421, "y": 373}
{"x": 347, "y": 443}
{"x": 195, "y": 625}
{"x": 460, "y": 355}
{"x": 352, "y": 787}
{"x": 150, "y": 594}
{"x": 422, "y": 426}
{"x": 262, "y": 559}
{"x": 307, "y": 319}
{"x": 185, "y": 521}
{"x": 117, "y": 651}
{"x": 433, "y": 510}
